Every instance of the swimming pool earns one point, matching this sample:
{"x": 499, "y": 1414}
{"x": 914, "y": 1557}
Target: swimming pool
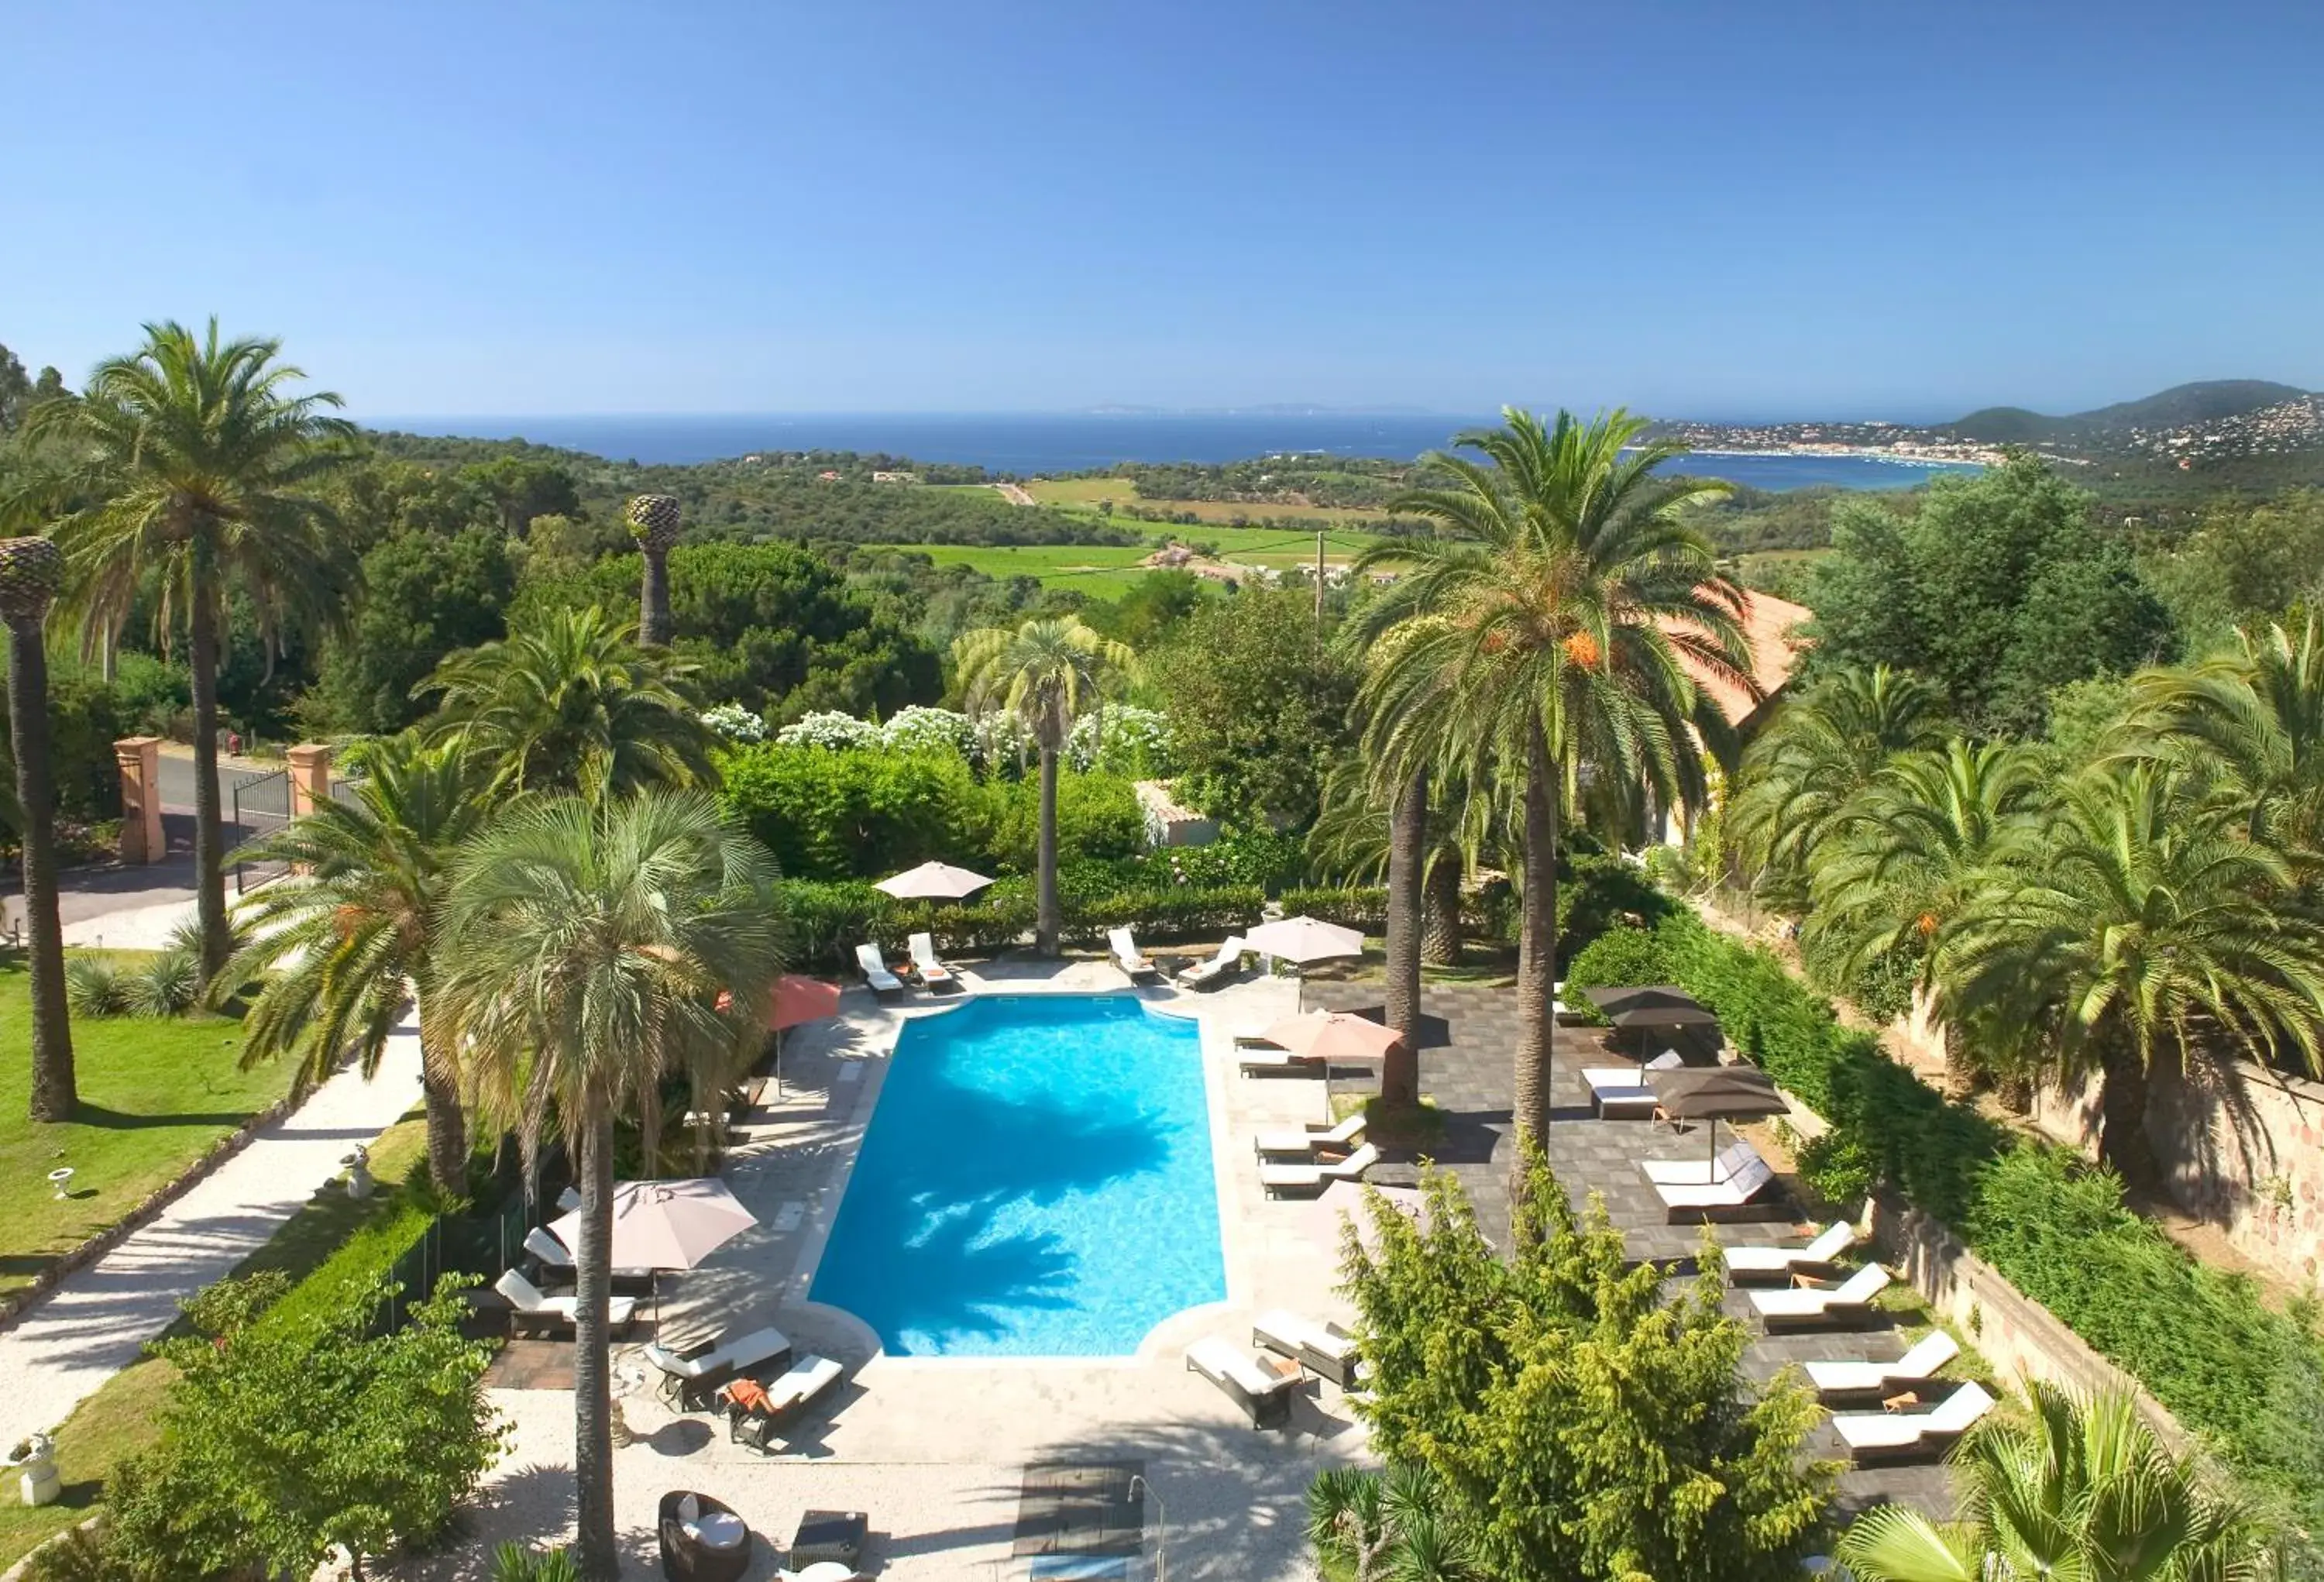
{"x": 1036, "y": 1181}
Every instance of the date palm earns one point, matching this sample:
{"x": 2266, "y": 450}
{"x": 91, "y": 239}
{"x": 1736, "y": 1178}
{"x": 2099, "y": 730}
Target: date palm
{"x": 30, "y": 571}
{"x": 1551, "y": 614}
{"x": 197, "y": 464}
{"x": 1044, "y": 675}
{"x": 2148, "y": 924}
{"x": 592, "y": 946}
{"x": 2256, "y": 719}
{"x": 571, "y": 703}
{"x": 355, "y": 927}
{"x": 655, "y": 521}
{"x": 2074, "y": 1491}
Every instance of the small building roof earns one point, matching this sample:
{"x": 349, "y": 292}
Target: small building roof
{"x": 1769, "y": 623}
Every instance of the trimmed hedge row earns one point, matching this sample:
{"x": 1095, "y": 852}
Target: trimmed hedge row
{"x": 828, "y": 921}
{"x": 2248, "y": 1378}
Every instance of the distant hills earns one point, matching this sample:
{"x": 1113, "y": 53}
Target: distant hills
{"x": 2111, "y": 429}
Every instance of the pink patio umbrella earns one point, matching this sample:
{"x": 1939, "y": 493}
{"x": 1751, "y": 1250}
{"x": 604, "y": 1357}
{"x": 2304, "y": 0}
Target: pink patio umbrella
{"x": 798, "y": 1000}
{"x": 1332, "y": 1037}
{"x": 664, "y": 1224}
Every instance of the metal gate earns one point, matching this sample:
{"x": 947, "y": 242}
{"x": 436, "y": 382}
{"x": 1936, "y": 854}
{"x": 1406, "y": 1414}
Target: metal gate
{"x": 260, "y": 805}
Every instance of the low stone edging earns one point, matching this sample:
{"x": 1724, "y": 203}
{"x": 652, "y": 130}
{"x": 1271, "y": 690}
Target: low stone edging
{"x": 16, "y": 1304}
{"x": 16, "y": 1572}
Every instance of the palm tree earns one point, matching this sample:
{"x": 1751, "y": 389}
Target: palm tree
{"x": 2073, "y": 1490}
{"x": 1390, "y": 1527}
{"x": 591, "y": 944}
{"x": 197, "y": 465}
{"x": 2255, "y": 717}
{"x": 2149, "y": 923}
{"x": 655, "y": 521}
{"x": 1820, "y": 748}
{"x": 571, "y": 703}
{"x": 355, "y": 927}
{"x": 1550, "y": 618}
{"x": 1046, "y": 674}
{"x": 30, "y": 571}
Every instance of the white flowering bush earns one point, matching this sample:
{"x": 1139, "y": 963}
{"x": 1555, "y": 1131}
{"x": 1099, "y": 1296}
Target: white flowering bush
{"x": 734, "y": 723}
{"x": 1122, "y": 739}
{"x": 929, "y": 730}
{"x": 830, "y": 729}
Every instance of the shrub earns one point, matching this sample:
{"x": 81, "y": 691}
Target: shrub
{"x": 998, "y": 821}
{"x": 93, "y": 988}
{"x": 1835, "y": 1168}
{"x": 829, "y": 728}
{"x": 848, "y": 814}
{"x": 1352, "y": 906}
{"x": 166, "y": 986}
{"x": 1598, "y": 890}
{"x": 734, "y": 723}
{"x": 919, "y": 729}
{"x": 1264, "y": 857}
{"x": 1125, "y": 740}
{"x": 1616, "y": 958}
{"x": 513, "y": 1562}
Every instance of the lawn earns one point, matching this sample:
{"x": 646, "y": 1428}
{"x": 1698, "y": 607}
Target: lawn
{"x": 119, "y": 1420}
{"x": 1088, "y": 493}
{"x": 1106, "y": 570}
{"x": 154, "y": 1095}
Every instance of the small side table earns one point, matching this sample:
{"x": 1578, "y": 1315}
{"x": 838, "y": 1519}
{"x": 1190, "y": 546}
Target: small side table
{"x": 829, "y": 1535}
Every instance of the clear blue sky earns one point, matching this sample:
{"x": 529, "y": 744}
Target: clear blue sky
{"x": 1726, "y": 209}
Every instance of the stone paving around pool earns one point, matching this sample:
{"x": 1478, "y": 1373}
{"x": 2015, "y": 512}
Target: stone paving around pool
{"x": 936, "y": 1450}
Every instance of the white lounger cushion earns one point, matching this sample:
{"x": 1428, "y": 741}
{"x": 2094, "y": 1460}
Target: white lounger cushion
{"x": 1274, "y": 1177}
{"x": 1222, "y": 1359}
{"x": 1346, "y": 1135}
{"x": 1731, "y": 1193}
{"x": 1810, "y": 1302}
{"x": 525, "y": 1298}
{"x": 1295, "y": 1332}
{"x": 1897, "y": 1430}
{"x": 542, "y": 1243}
{"x": 1837, "y": 1238}
{"x": 809, "y": 1377}
{"x": 875, "y": 970}
{"x": 1699, "y": 1172}
{"x": 751, "y": 1349}
{"x": 1931, "y": 1352}
{"x": 1126, "y": 953}
{"x": 925, "y": 957}
{"x": 1230, "y": 954}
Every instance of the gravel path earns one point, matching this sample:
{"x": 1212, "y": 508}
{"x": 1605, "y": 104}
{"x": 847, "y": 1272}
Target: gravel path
{"x": 94, "y": 1324}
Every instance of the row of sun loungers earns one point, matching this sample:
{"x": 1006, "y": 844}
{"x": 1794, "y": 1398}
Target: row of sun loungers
{"x": 1299, "y": 1346}
{"x": 1283, "y": 1181}
{"x": 756, "y": 1415}
{"x": 529, "y": 1307}
{"x": 927, "y": 965}
{"x": 691, "y": 1381}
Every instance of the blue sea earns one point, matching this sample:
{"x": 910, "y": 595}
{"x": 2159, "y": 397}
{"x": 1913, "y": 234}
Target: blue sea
{"x": 1030, "y": 443}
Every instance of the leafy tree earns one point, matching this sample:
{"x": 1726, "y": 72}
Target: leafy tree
{"x": 1045, "y": 675}
{"x": 425, "y": 596}
{"x": 522, "y": 488}
{"x": 597, "y": 946}
{"x": 2074, "y": 1489}
{"x": 197, "y": 466}
{"x": 1545, "y": 629}
{"x": 572, "y": 704}
{"x": 15, "y": 390}
{"x": 379, "y": 498}
{"x": 1576, "y": 1424}
{"x": 2243, "y": 562}
{"x": 354, "y": 928}
{"x": 1260, "y": 707}
{"x": 283, "y": 1439}
{"x": 1151, "y": 608}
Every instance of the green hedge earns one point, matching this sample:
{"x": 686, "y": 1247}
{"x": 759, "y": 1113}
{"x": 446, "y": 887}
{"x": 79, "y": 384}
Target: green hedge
{"x": 1352, "y": 906}
{"x": 828, "y": 921}
{"x": 2249, "y": 1378}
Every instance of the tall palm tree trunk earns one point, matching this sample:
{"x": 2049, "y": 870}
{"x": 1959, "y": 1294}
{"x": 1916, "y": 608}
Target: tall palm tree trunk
{"x": 447, "y": 1121}
{"x": 1536, "y": 1053}
{"x": 653, "y": 602}
{"x": 2123, "y": 1141}
{"x": 1046, "y": 921}
{"x": 55, "y": 1094}
{"x": 1408, "y": 855}
{"x": 210, "y": 854}
{"x": 593, "y": 1399}
{"x": 1442, "y": 941}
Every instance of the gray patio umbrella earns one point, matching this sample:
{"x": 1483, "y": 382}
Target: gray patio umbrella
{"x": 1651, "y": 1006}
{"x": 1716, "y": 1094}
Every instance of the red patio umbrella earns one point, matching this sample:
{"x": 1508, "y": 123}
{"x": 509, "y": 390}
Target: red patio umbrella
{"x": 797, "y": 999}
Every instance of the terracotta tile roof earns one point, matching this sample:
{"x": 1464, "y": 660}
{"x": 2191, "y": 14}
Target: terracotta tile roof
{"x": 1775, "y": 655}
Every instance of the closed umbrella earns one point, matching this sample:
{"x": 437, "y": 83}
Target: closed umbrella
{"x": 933, "y": 881}
{"x": 666, "y": 1225}
{"x": 1717, "y": 1093}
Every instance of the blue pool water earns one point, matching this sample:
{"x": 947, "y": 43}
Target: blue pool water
{"x": 1036, "y": 1181}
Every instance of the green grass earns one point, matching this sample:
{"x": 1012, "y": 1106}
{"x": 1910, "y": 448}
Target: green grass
{"x": 1106, "y": 570}
{"x": 120, "y": 1419}
{"x": 154, "y": 1095}
{"x": 1089, "y": 492}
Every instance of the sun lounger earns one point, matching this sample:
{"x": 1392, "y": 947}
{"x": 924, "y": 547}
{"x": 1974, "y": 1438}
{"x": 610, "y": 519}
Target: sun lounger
{"x": 1818, "y": 1304}
{"x": 1258, "y": 1058}
{"x": 1281, "y": 1179}
{"x": 1699, "y": 1172}
{"x": 528, "y": 1308}
{"x": 1749, "y": 1264}
{"x": 823, "y": 1571}
{"x": 1894, "y": 1436}
{"x": 926, "y": 962}
{"x": 1260, "y": 1391}
{"x": 787, "y": 1400}
{"x": 875, "y": 971}
{"x": 555, "y": 1257}
{"x": 1325, "y": 1350}
{"x": 1203, "y": 973}
{"x": 1738, "y": 1192}
{"x": 692, "y": 1381}
{"x": 1619, "y": 1092}
{"x": 1127, "y": 957}
{"x": 1349, "y": 1134}
{"x": 1931, "y": 1352}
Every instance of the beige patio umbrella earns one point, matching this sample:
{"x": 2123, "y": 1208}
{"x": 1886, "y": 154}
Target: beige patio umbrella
{"x": 666, "y": 1225}
{"x": 933, "y": 881}
{"x": 1331, "y": 1037}
{"x": 1303, "y": 940}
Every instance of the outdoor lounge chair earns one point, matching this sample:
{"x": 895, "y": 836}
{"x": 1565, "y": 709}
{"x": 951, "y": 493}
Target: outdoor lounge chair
{"x": 823, "y": 1571}
{"x": 1280, "y": 1179}
{"x": 927, "y": 963}
{"x": 1808, "y": 1305}
{"x": 1255, "y": 1056}
{"x": 692, "y": 1381}
{"x": 1203, "y": 973}
{"x": 1260, "y": 1391}
{"x": 1745, "y": 1264}
{"x": 528, "y": 1309}
{"x": 787, "y": 1400}
{"x": 555, "y": 1257}
{"x": 1348, "y": 1135}
{"x": 1699, "y": 1172}
{"x": 1325, "y": 1350}
{"x": 1620, "y": 1092}
{"x": 1895, "y": 1436}
{"x": 1127, "y": 957}
{"x": 703, "y": 1539}
{"x": 875, "y": 971}
{"x": 1917, "y": 1366}
{"x": 1737, "y": 1192}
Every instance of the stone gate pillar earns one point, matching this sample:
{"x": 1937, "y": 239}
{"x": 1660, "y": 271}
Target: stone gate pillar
{"x": 310, "y": 777}
{"x": 140, "y": 758}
